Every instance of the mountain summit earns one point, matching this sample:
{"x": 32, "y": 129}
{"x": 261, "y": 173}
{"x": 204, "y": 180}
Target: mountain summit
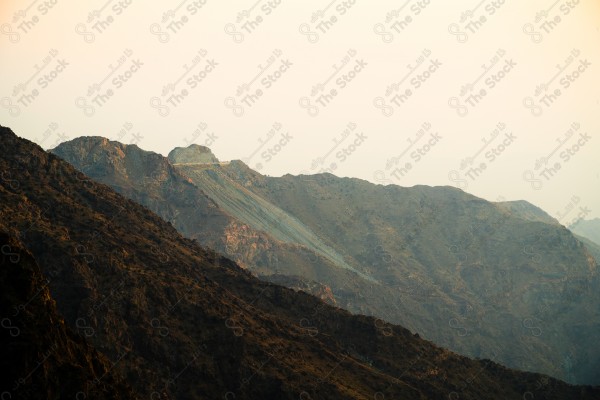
{"x": 193, "y": 154}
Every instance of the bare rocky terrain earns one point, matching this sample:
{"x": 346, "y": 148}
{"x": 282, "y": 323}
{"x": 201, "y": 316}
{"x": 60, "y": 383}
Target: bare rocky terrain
{"x": 503, "y": 281}
{"x": 180, "y": 321}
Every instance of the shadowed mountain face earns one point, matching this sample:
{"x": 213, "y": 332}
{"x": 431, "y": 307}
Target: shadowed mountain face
{"x": 492, "y": 280}
{"x": 583, "y": 232}
{"x": 481, "y": 278}
{"x": 42, "y": 358}
{"x": 183, "y": 322}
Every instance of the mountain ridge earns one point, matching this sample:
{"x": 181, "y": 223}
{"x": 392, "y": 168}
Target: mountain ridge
{"x": 472, "y": 275}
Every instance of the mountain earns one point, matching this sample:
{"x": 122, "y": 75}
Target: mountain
{"x": 193, "y": 154}
{"x": 489, "y": 280}
{"x": 480, "y": 277}
{"x": 184, "y": 322}
{"x": 582, "y": 232}
{"x": 592, "y": 247}
{"x": 150, "y": 179}
{"x": 589, "y": 229}
{"x": 41, "y": 356}
{"x": 527, "y": 211}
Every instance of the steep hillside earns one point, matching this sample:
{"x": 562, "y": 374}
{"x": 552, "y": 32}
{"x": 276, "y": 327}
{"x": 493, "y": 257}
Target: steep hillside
{"x": 592, "y": 247}
{"x": 251, "y": 209}
{"x": 477, "y": 277}
{"x": 150, "y": 179}
{"x": 42, "y": 358}
{"x": 186, "y": 323}
{"x": 530, "y": 212}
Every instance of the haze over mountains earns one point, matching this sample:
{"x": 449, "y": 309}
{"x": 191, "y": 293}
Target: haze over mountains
{"x": 179, "y": 321}
{"x": 503, "y": 281}
{"x": 590, "y": 229}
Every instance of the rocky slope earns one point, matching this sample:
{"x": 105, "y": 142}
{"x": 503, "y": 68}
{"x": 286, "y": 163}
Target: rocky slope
{"x": 528, "y": 211}
{"x": 186, "y": 323}
{"x": 194, "y": 153}
{"x": 488, "y": 280}
{"x": 42, "y": 358}
{"x": 151, "y": 180}
{"x": 477, "y": 277}
{"x": 317, "y": 289}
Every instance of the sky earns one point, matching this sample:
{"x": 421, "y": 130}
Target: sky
{"x": 498, "y": 98}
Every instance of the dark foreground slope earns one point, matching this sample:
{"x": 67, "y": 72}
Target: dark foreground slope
{"x": 182, "y": 322}
{"x": 42, "y": 358}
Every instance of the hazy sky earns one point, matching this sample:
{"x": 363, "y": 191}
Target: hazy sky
{"x": 500, "y": 98}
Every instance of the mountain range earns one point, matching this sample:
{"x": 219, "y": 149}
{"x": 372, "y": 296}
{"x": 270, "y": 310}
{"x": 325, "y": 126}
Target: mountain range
{"x": 502, "y": 281}
{"x": 125, "y": 301}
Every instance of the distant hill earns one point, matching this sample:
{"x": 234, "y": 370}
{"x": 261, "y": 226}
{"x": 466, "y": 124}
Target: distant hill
{"x": 589, "y": 229}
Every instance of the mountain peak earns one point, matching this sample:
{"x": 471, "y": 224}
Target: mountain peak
{"x": 193, "y": 154}
{"x": 527, "y": 211}
{"x": 84, "y": 145}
